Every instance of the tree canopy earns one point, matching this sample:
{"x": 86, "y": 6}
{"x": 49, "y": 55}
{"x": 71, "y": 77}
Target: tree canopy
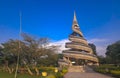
{"x": 31, "y": 51}
{"x": 113, "y": 52}
{"x": 93, "y": 47}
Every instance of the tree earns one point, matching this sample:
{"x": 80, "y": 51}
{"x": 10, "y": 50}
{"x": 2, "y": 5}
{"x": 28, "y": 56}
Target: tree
{"x": 11, "y": 50}
{"x": 38, "y": 48}
{"x": 30, "y": 51}
{"x": 1, "y": 55}
{"x": 50, "y": 57}
{"x": 35, "y": 49}
{"x": 93, "y": 47}
{"x": 113, "y": 52}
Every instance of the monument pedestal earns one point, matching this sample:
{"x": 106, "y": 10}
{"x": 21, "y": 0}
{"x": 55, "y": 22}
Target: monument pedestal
{"x": 76, "y": 69}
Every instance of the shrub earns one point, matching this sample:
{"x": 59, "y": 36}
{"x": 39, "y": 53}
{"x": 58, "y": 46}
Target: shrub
{"x": 115, "y": 73}
{"x": 59, "y": 75}
{"x": 46, "y": 69}
{"x": 51, "y": 76}
{"x": 64, "y": 70}
{"x": 101, "y": 71}
{"x": 109, "y": 69}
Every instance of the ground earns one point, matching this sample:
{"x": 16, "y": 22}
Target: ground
{"x": 88, "y": 74}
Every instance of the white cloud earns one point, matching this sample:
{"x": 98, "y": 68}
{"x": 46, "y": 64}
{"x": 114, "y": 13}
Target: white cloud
{"x": 101, "y": 50}
{"x": 97, "y": 40}
{"x": 1, "y": 45}
{"x": 101, "y": 45}
{"x": 60, "y": 43}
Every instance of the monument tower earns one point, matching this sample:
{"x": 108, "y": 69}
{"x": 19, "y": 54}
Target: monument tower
{"x": 79, "y": 52}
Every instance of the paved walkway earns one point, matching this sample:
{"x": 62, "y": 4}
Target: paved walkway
{"x": 88, "y": 74}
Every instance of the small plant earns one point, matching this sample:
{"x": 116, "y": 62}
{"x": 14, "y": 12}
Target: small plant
{"x": 59, "y": 75}
{"x": 51, "y": 76}
{"x": 64, "y": 71}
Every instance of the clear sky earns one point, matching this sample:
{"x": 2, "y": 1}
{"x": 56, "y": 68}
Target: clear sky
{"x": 99, "y": 20}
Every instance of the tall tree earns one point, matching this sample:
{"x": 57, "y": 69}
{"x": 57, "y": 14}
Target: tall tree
{"x": 93, "y": 48}
{"x": 1, "y": 55}
{"x": 30, "y": 52}
{"x": 10, "y": 50}
{"x": 36, "y": 48}
{"x": 113, "y": 52}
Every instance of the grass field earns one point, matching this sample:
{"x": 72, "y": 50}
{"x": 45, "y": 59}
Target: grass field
{"x": 7, "y": 75}
{"x": 50, "y": 73}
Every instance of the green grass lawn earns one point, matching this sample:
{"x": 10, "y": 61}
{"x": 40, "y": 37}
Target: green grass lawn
{"x": 50, "y": 73}
{"x": 7, "y": 75}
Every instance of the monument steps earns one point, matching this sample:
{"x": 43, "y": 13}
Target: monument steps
{"x": 76, "y": 69}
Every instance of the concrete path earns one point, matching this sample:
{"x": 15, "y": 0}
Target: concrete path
{"x": 88, "y": 74}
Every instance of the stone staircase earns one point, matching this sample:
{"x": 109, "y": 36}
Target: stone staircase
{"x": 76, "y": 69}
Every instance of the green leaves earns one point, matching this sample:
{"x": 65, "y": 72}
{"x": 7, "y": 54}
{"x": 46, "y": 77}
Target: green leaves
{"x": 30, "y": 49}
{"x": 113, "y": 52}
{"x": 93, "y": 47}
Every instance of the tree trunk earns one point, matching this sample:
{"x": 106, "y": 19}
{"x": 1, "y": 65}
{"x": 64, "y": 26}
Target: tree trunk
{"x": 28, "y": 69}
{"x": 37, "y": 71}
{"x": 9, "y": 70}
{"x": 6, "y": 66}
{"x": 12, "y": 70}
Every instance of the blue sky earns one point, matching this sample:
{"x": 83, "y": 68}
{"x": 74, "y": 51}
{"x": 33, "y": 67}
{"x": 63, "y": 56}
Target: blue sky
{"x": 99, "y": 20}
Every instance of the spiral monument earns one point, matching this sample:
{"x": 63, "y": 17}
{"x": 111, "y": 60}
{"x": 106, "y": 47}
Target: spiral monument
{"x": 79, "y": 52}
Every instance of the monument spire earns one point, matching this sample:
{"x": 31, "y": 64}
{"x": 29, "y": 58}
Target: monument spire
{"x": 75, "y": 26}
{"x": 75, "y": 19}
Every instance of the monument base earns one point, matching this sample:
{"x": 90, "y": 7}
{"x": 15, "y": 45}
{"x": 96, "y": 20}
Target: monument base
{"x": 76, "y": 69}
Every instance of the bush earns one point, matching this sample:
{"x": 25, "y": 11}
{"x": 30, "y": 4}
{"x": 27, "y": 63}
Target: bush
{"x": 47, "y": 69}
{"x": 109, "y": 69}
{"x": 59, "y": 75}
{"x": 64, "y": 70}
{"x": 51, "y": 76}
{"x": 102, "y": 71}
{"x": 115, "y": 73}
